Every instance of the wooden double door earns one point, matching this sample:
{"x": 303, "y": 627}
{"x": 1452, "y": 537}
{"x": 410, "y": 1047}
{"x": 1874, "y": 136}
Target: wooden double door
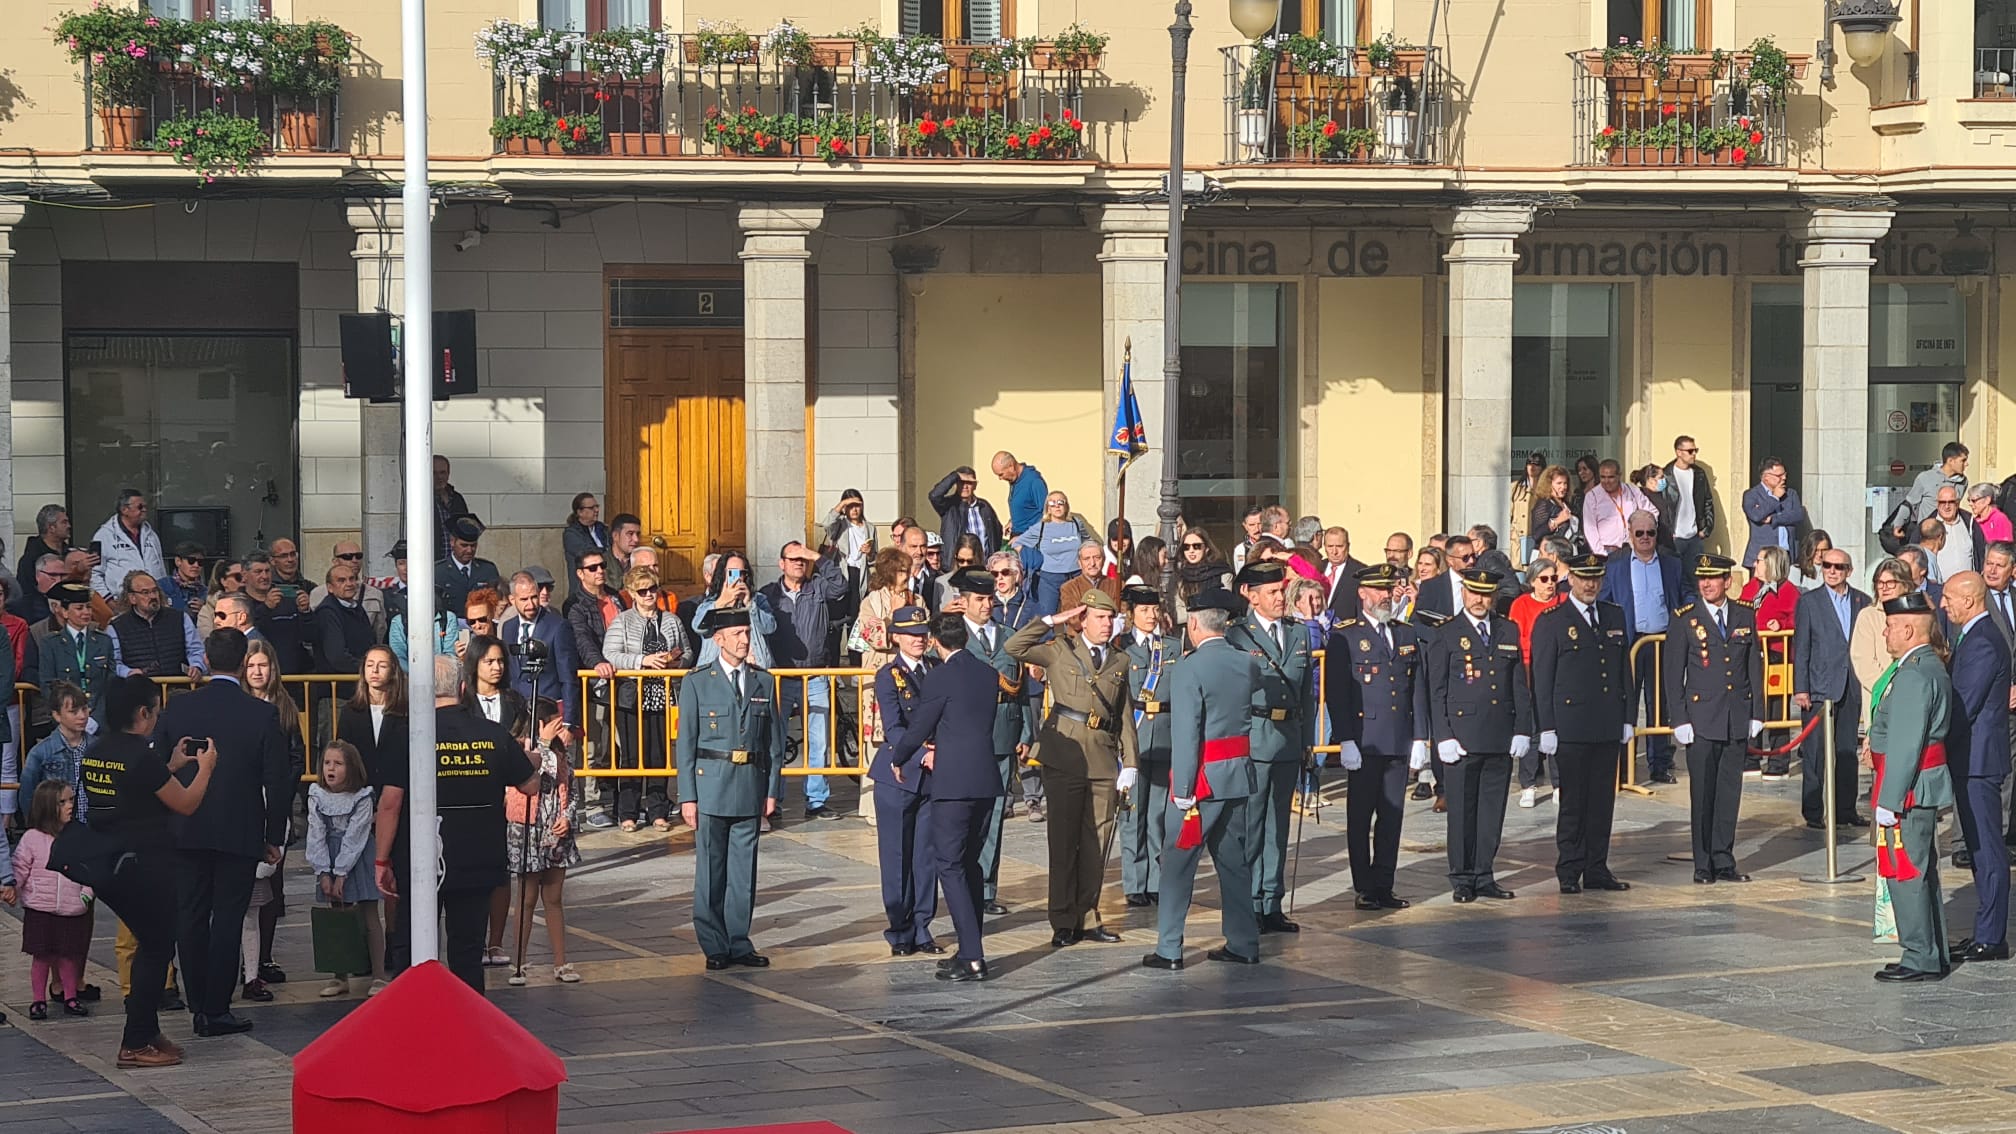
{"x": 675, "y": 443}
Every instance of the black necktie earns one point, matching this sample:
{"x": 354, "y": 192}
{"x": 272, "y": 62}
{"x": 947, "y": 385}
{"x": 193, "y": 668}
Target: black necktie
{"x": 1590, "y": 613}
{"x": 1721, "y": 624}
{"x": 1484, "y": 630}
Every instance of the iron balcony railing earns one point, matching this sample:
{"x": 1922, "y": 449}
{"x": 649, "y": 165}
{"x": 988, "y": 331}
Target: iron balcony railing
{"x": 1995, "y": 72}
{"x": 1693, "y": 111}
{"x": 1392, "y": 113}
{"x": 831, "y": 109}
{"x": 311, "y": 125}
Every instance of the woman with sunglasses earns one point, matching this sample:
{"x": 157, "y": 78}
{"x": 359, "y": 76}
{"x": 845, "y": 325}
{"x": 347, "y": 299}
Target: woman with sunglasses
{"x": 966, "y": 553}
{"x": 480, "y": 609}
{"x": 1057, "y": 538}
{"x": 1772, "y": 593}
{"x": 226, "y": 578}
{"x": 1805, "y": 574}
{"x": 734, "y": 584}
{"x": 645, "y": 637}
{"x": 1546, "y": 590}
{"x": 585, "y": 531}
{"x": 1199, "y": 565}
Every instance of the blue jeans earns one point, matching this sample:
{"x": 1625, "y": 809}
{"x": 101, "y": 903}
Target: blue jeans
{"x": 1049, "y": 589}
{"x": 817, "y": 701}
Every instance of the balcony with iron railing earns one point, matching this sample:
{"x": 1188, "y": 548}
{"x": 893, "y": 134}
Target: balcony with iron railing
{"x": 1651, "y": 108}
{"x": 1288, "y": 101}
{"x": 178, "y": 101}
{"x": 1995, "y": 72}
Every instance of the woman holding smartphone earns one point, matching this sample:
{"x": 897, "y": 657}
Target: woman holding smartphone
{"x": 731, "y": 586}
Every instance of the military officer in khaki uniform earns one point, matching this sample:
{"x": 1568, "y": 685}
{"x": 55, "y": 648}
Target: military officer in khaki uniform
{"x": 1087, "y": 749}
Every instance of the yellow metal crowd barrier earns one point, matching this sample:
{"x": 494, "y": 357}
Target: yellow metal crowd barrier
{"x": 602, "y": 714}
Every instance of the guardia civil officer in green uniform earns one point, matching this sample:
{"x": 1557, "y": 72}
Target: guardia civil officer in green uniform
{"x": 1714, "y": 673}
{"x": 1212, "y": 781}
{"x": 987, "y": 640}
{"x": 1907, "y": 735}
{"x": 1281, "y": 729}
{"x": 730, "y": 758}
{"x": 1480, "y": 714}
{"x": 1151, "y": 660}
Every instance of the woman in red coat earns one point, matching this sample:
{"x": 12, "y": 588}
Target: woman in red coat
{"x": 1769, "y": 591}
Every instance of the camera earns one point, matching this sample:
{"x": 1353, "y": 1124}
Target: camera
{"x": 532, "y": 654}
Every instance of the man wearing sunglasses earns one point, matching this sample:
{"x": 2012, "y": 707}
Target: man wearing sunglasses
{"x": 1646, "y": 584}
{"x": 1689, "y": 501}
{"x": 1822, "y": 676}
{"x": 350, "y": 554}
{"x": 961, "y": 510}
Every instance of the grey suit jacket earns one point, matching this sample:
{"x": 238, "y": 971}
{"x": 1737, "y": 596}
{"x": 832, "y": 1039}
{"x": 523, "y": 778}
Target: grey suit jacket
{"x": 1820, "y": 664}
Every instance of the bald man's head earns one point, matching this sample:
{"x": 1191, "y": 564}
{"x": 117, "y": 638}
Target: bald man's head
{"x": 1964, "y": 596}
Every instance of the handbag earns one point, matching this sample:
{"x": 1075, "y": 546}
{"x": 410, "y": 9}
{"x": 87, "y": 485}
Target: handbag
{"x": 87, "y": 856}
{"x": 654, "y": 690}
{"x": 340, "y": 943}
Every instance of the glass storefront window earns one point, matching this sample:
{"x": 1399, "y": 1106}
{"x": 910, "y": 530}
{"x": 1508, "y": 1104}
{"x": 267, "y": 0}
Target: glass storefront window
{"x": 1776, "y": 366}
{"x": 1565, "y": 366}
{"x": 1917, "y": 365}
{"x": 1238, "y": 403}
{"x": 202, "y": 424}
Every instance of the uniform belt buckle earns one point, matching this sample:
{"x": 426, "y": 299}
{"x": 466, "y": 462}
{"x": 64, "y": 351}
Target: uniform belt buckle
{"x": 1094, "y": 721}
{"x": 739, "y": 756}
{"x": 1151, "y": 707}
{"x": 1277, "y": 714}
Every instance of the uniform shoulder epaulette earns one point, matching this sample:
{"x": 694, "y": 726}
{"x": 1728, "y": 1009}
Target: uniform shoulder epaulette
{"x": 1433, "y": 618}
{"x": 1555, "y": 609}
{"x": 1346, "y": 622}
{"x": 1743, "y": 604}
{"x": 1683, "y": 610}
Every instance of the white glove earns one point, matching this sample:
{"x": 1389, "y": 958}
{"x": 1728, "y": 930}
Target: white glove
{"x": 1886, "y": 817}
{"x": 1755, "y": 728}
{"x": 1128, "y": 776}
{"x": 1450, "y": 751}
{"x": 1629, "y": 732}
{"x": 1350, "y": 757}
{"x": 1520, "y": 746}
{"x": 1683, "y": 735}
{"x": 1182, "y": 804}
{"x": 1417, "y": 757}
{"x": 1550, "y": 742}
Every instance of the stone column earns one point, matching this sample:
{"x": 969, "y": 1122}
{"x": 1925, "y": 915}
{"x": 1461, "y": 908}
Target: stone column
{"x": 1834, "y": 397}
{"x": 381, "y": 286}
{"x": 776, "y": 261}
{"x": 1478, "y": 437}
{"x": 1133, "y": 242}
{"x": 11, "y": 214}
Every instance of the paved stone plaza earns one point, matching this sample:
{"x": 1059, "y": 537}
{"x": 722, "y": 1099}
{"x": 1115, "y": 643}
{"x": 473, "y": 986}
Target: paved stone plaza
{"x": 1673, "y": 1008}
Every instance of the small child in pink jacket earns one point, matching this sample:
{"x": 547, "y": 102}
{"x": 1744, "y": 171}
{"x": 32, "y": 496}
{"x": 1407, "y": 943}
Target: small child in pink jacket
{"x": 55, "y": 924}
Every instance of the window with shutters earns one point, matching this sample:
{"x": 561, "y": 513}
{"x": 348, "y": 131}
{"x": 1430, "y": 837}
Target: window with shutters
{"x": 210, "y": 9}
{"x": 958, "y": 19}
{"x": 1679, "y": 24}
{"x": 598, "y": 15}
{"x": 1346, "y": 23}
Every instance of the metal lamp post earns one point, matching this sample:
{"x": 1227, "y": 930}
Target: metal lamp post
{"x": 1253, "y": 19}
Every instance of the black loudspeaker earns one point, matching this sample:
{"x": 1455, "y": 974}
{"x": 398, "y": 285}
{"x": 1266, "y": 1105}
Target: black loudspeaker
{"x": 454, "y": 354}
{"x": 368, "y": 370}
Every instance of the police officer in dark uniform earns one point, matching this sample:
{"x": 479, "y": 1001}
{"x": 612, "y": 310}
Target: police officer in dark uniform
{"x": 902, "y": 836}
{"x": 1715, "y": 702}
{"x": 1151, "y": 660}
{"x": 730, "y": 757}
{"x": 1480, "y": 713}
{"x": 1282, "y": 730}
{"x": 1582, "y": 699}
{"x": 1379, "y": 719}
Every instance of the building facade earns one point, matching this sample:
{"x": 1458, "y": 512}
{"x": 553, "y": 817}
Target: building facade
{"x": 1431, "y": 238}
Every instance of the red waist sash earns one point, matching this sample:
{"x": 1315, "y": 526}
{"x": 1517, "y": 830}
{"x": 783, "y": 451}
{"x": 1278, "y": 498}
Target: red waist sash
{"x": 1214, "y": 751}
{"x": 1892, "y": 860}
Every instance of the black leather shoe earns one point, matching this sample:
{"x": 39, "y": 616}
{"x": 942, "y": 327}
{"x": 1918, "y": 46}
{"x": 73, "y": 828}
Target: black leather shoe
{"x": 1423, "y": 790}
{"x": 1367, "y": 902}
{"x": 1815, "y": 825}
{"x": 1704, "y": 877}
{"x": 171, "y": 1001}
{"x": 1909, "y": 976}
{"x": 1978, "y": 951}
{"x": 902, "y": 950}
{"x": 1963, "y": 860}
{"x": 1571, "y": 887}
{"x": 931, "y": 948}
{"x": 1665, "y": 778}
{"x": 1158, "y": 961}
{"x": 994, "y": 909}
{"x": 972, "y": 972}
{"x": 1494, "y": 890}
{"x": 224, "y": 1025}
{"x": 90, "y": 994}
{"x": 750, "y": 960}
{"x": 1731, "y": 875}
{"x": 1099, "y": 934}
{"x": 1231, "y": 958}
{"x": 946, "y": 963}
{"x": 272, "y": 973}
{"x": 256, "y": 990}
{"x": 1063, "y": 937}
{"x": 826, "y": 813}
{"x": 1137, "y": 900}
{"x": 1606, "y": 884}
{"x": 1389, "y": 902}
{"x": 1277, "y": 923}
{"x": 1465, "y": 895}
{"x": 716, "y": 964}
{"x": 1856, "y": 820}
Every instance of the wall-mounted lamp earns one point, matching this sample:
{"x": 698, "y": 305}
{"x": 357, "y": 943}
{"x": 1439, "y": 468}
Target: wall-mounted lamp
{"x": 1865, "y": 32}
{"x": 1967, "y": 257}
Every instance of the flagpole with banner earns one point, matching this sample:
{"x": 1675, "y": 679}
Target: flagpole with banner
{"x": 1129, "y": 437}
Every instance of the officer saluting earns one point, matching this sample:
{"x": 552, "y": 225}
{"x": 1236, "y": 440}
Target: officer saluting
{"x": 909, "y": 868}
{"x": 1151, "y": 662}
{"x": 1481, "y": 716}
{"x": 1281, "y": 729}
{"x": 730, "y": 759}
{"x": 1715, "y": 702}
{"x": 1212, "y": 781}
{"x": 1907, "y": 745}
{"x": 1582, "y": 700}
{"x": 1379, "y": 719}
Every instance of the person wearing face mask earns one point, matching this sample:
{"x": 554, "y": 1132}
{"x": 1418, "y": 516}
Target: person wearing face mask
{"x": 1714, "y": 672}
{"x": 1379, "y": 718}
{"x": 1582, "y": 702}
{"x": 1481, "y": 719}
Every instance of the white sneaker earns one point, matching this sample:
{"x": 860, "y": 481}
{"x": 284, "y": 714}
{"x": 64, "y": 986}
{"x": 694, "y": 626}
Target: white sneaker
{"x": 337, "y": 986}
{"x": 377, "y": 986}
{"x": 1528, "y": 797}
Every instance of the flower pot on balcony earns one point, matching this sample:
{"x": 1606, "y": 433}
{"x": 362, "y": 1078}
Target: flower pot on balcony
{"x": 1397, "y": 129}
{"x": 1644, "y": 155}
{"x": 807, "y": 146}
{"x": 1253, "y": 130}
{"x": 299, "y": 129}
{"x": 1046, "y": 57}
{"x": 122, "y": 127}
{"x": 641, "y": 144}
{"x": 732, "y": 59}
{"x": 833, "y": 51}
{"x": 532, "y": 146}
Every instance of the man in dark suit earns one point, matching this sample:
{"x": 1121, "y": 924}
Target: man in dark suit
{"x": 241, "y": 821}
{"x": 961, "y": 511}
{"x": 1582, "y": 701}
{"x": 1773, "y": 509}
{"x": 1998, "y": 570}
{"x": 1645, "y": 584}
{"x": 1480, "y": 715}
{"x": 1714, "y": 674}
{"x": 1977, "y": 757}
{"x": 1443, "y": 594}
{"x": 1821, "y": 672}
{"x": 962, "y": 778}
{"x": 902, "y": 832}
{"x": 343, "y": 631}
{"x": 1340, "y": 574}
{"x": 529, "y": 622}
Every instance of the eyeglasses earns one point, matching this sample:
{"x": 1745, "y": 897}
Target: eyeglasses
{"x": 1005, "y": 573}
{"x": 1193, "y": 546}
{"x": 1644, "y": 531}
{"x": 138, "y": 593}
{"x": 1689, "y": 452}
{"x": 349, "y": 556}
{"x": 963, "y": 561}
{"x": 480, "y": 620}
{"x": 235, "y": 576}
{"x": 1545, "y": 578}
{"x": 594, "y": 566}
{"x": 645, "y": 592}
{"x": 1833, "y": 566}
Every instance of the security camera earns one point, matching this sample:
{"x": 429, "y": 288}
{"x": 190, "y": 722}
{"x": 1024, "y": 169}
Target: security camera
{"x": 470, "y": 239}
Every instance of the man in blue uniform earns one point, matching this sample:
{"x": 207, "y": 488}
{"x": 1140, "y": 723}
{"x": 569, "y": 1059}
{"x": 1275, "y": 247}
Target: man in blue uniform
{"x": 1281, "y": 730}
{"x": 1480, "y": 713}
{"x": 1211, "y": 781}
{"x": 1151, "y": 659}
{"x": 988, "y": 640}
{"x": 1582, "y": 699}
{"x": 1379, "y": 718}
{"x": 963, "y": 779}
{"x": 902, "y": 832}
{"x": 730, "y": 758}
{"x": 1715, "y": 702}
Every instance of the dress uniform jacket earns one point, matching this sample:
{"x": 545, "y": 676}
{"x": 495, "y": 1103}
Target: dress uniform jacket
{"x": 898, "y": 692}
{"x": 1374, "y": 692}
{"x": 1210, "y": 699}
{"x": 1151, "y": 665}
{"x": 1151, "y": 705}
{"x": 714, "y": 725}
{"x": 1011, "y": 721}
{"x": 902, "y": 838}
{"x": 87, "y": 665}
{"x": 1070, "y": 745}
{"x": 1477, "y": 693}
{"x": 1914, "y": 713}
{"x": 1582, "y": 674}
{"x": 1714, "y": 682}
{"x": 1281, "y": 715}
